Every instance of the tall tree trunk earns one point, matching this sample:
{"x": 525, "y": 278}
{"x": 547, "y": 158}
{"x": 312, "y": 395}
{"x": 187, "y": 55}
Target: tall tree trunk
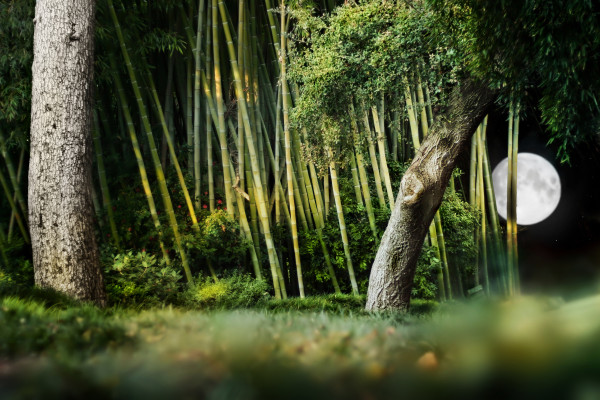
{"x": 65, "y": 253}
{"x": 421, "y": 192}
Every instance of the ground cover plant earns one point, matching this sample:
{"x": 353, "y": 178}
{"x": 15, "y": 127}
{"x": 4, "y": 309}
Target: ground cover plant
{"x": 524, "y": 348}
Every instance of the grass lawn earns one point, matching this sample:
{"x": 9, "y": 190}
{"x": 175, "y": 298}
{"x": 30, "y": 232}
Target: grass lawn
{"x": 525, "y": 348}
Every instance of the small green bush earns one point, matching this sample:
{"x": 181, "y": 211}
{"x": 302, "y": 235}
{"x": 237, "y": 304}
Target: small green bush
{"x": 138, "y": 278}
{"x": 230, "y": 292}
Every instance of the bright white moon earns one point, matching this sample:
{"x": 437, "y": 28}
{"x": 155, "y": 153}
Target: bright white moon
{"x": 538, "y": 188}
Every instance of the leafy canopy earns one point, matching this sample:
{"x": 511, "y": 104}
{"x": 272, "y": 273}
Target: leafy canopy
{"x": 548, "y": 48}
{"x": 351, "y": 57}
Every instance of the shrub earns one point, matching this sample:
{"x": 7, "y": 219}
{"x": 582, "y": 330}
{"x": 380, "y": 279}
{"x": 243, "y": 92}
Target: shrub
{"x": 138, "y": 278}
{"x": 234, "y": 291}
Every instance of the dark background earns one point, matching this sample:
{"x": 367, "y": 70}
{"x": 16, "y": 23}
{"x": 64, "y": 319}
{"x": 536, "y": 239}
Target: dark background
{"x": 560, "y": 255}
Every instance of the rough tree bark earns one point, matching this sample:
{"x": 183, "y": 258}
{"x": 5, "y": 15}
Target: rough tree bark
{"x": 65, "y": 252}
{"x": 420, "y": 195}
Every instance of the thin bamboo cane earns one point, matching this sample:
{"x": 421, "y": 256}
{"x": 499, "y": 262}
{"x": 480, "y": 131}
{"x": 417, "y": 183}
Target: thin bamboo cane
{"x": 498, "y": 248}
{"x": 140, "y": 160}
{"x": 515, "y": 151}
{"x": 209, "y": 111}
{"x": 511, "y": 205}
{"x": 288, "y": 152}
{"x": 3, "y": 242}
{"x": 254, "y": 161}
{"x": 382, "y": 156}
{"x": 146, "y": 123}
{"x": 106, "y": 200}
{"x": 356, "y": 180}
{"x": 13, "y": 206}
{"x": 174, "y": 160}
{"x": 326, "y": 192}
{"x": 19, "y": 174}
{"x": 364, "y": 182}
{"x": 342, "y": 223}
{"x": 374, "y": 162}
{"x": 189, "y": 124}
{"x": 197, "y": 104}
{"x": 414, "y": 127}
{"x": 222, "y": 128}
{"x": 473, "y": 171}
{"x": 18, "y": 194}
{"x": 481, "y": 205}
{"x": 440, "y": 272}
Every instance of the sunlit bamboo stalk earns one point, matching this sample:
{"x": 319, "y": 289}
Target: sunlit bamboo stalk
{"x": 139, "y": 159}
{"x": 153, "y": 151}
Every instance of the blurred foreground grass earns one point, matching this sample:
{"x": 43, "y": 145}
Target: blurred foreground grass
{"x": 523, "y": 348}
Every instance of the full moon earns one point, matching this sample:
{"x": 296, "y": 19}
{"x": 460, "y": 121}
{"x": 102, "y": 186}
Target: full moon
{"x": 538, "y": 188}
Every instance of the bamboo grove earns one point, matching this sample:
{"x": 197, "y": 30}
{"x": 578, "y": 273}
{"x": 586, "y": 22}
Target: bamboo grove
{"x": 193, "y": 114}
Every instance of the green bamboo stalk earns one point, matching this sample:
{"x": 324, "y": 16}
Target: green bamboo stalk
{"x": 421, "y": 100}
{"x": 222, "y": 128}
{"x": 288, "y": 152}
{"x": 198, "y": 105}
{"x": 3, "y": 242}
{"x": 210, "y": 109}
{"x": 139, "y": 158}
{"x": 473, "y": 171}
{"x": 493, "y": 213}
{"x": 254, "y": 161}
{"x": 437, "y": 219}
{"x": 154, "y": 152}
{"x": 374, "y": 162}
{"x": 511, "y": 205}
{"x": 326, "y": 193}
{"x": 515, "y": 151}
{"x": 189, "y": 122}
{"x": 433, "y": 237}
{"x": 414, "y": 127}
{"x": 246, "y": 232}
{"x": 13, "y": 206}
{"x": 481, "y": 205}
{"x": 356, "y": 180}
{"x": 13, "y": 176}
{"x": 342, "y": 223}
{"x": 106, "y": 200}
{"x": 174, "y": 160}
{"x": 364, "y": 182}
{"x": 19, "y": 174}
{"x": 382, "y": 156}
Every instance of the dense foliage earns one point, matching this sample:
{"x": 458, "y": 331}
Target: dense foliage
{"x": 360, "y": 52}
{"x": 546, "y": 50}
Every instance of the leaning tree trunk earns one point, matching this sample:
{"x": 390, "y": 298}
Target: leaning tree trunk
{"x": 421, "y": 192}
{"x": 61, "y": 216}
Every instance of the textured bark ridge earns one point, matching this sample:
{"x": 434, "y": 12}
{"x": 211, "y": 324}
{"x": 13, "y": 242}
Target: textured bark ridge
{"x": 421, "y": 192}
{"x": 65, "y": 253}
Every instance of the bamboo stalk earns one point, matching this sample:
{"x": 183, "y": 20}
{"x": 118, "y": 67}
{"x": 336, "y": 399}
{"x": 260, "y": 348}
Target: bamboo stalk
{"x": 18, "y": 194}
{"x": 106, "y": 200}
{"x": 481, "y": 205}
{"x": 342, "y": 223}
{"x": 13, "y": 206}
{"x": 382, "y": 156}
{"x": 198, "y": 105}
{"x": 153, "y": 151}
{"x": 374, "y": 162}
{"x": 140, "y": 160}
{"x": 174, "y": 160}
{"x": 254, "y": 161}
{"x": 19, "y": 174}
